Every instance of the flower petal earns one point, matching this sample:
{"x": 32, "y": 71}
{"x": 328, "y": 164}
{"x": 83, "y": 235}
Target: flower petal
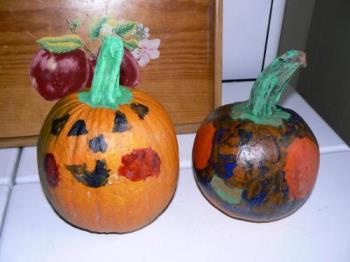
{"x": 144, "y": 43}
{"x": 137, "y": 52}
{"x": 144, "y": 60}
{"x": 154, "y": 43}
{"x": 153, "y": 53}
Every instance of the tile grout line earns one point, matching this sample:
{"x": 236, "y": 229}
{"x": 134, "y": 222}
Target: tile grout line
{"x": 15, "y": 170}
{"x": 267, "y": 35}
{"x": 10, "y": 186}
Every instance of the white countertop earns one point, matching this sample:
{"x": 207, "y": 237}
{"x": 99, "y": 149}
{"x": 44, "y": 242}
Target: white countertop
{"x": 191, "y": 228}
{"x": 4, "y": 194}
{"x": 8, "y": 158}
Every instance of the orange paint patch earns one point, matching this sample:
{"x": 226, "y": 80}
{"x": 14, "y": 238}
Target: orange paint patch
{"x": 203, "y": 145}
{"x": 302, "y": 163}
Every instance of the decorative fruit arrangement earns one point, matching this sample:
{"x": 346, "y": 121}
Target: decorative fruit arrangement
{"x": 255, "y": 160}
{"x": 65, "y": 64}
{"x": 108, "y": 157}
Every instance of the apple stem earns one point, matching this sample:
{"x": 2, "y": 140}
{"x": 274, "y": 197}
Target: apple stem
{"x": 84, "y": 46}
{"x": 90, "y": 53}
{"x": 106, "y": 91}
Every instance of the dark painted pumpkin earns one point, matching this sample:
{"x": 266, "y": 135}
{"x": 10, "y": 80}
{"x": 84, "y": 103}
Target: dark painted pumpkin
{"x": 108, "y": 157}
{"x": 254, "y": 160}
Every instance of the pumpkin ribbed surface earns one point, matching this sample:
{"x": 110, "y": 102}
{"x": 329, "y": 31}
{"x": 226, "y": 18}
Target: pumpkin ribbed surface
{"x": 108, "y": 170}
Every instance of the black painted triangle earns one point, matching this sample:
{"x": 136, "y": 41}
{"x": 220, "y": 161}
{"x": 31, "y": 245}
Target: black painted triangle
{"x": 79, "y": 128}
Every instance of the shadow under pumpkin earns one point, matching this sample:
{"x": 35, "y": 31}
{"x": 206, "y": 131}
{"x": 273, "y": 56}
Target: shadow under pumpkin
{"x": 243, "y": 168}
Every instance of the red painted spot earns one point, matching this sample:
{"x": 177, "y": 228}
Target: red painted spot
{"x": 140, "y": 164}
{"x": 51, "y": 170}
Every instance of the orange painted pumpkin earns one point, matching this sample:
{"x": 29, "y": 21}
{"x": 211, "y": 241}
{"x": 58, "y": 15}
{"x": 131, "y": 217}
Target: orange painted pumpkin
{"x": 108, "y": 158}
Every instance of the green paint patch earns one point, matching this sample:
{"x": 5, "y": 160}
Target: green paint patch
{"x": 242, "y": 111}
{"x": 229, "y": 195}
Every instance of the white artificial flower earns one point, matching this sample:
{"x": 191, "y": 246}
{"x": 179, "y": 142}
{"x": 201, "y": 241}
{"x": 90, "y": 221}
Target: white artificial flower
{"x": 147, "y": 49}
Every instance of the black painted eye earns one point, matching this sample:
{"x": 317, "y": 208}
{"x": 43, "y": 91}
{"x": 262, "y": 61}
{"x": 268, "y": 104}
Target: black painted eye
{"x": 120, "y": 123}
{"x": 140, "y": 109}
{"x": 98, "y": 144}
{"x": 79, "y": 128}
{"x": 58, "y": 124}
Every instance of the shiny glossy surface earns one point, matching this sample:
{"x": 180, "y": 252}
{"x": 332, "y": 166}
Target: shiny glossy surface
{"x": 255, "y": 172}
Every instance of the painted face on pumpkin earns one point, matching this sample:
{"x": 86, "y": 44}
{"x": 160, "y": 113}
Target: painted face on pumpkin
{"x": 137, "y": 165}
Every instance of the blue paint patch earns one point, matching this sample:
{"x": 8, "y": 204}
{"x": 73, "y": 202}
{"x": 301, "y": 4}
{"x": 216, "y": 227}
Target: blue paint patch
{"x": 225, "y": 165}
{"x": 218, "y": 136}
{"x": 255, "y": 201}
{"x": 258, "y": 199}
{"x": 229, "y": 169}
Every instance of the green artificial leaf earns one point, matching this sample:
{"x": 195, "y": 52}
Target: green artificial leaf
{"x": 96, "y": 28}
{"x": 60, "y": 44}
{"x": 130, "y": 44}
{"x": 124, "y": 29}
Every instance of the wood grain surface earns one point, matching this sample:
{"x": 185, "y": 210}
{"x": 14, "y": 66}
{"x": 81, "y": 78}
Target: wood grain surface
{"x": 186, "y": 78}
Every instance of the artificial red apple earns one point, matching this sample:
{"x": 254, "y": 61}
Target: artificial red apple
{"x": 129, "y": 70}
{"x": 55, "y": 75}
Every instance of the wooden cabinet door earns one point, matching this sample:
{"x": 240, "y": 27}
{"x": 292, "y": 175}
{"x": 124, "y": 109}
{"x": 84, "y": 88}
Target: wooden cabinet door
{"x": 186, "y": 78}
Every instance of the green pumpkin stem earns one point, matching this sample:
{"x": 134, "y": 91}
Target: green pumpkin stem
{"x": 106, "y": 91}
{"x": 267, "y": 90}
{"x": 271, "y": 83}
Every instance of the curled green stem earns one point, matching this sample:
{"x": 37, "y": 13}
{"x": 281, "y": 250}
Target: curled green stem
{"x": 106, "y": 91}
{"x": 268, "y": 88}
